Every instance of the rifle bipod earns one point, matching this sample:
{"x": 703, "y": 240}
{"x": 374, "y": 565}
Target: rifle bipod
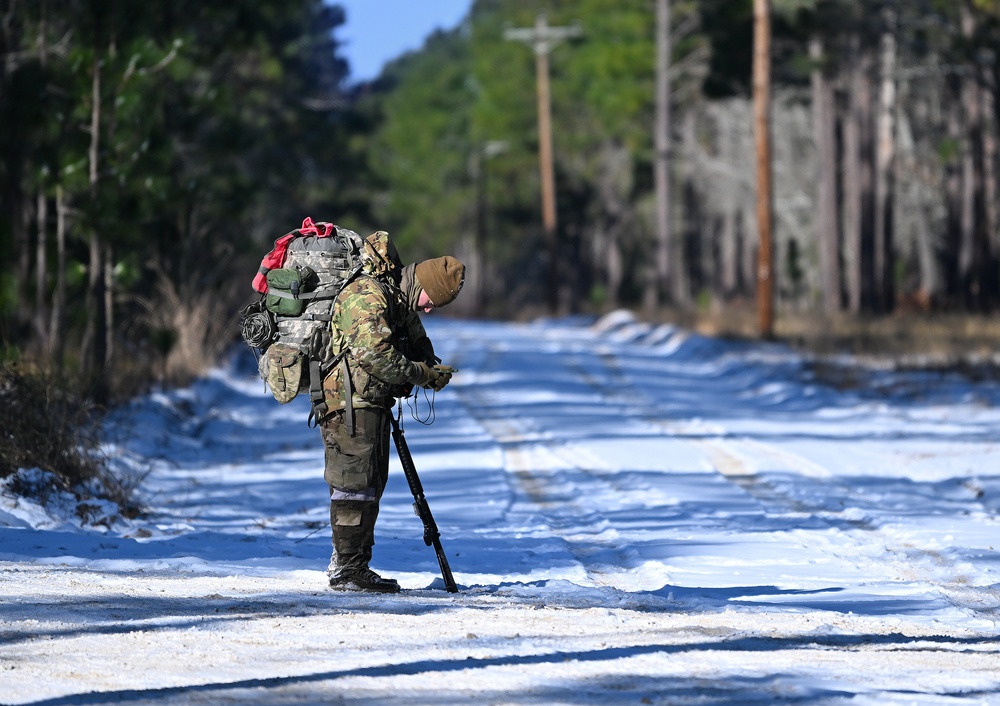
{"x": 432, "y": 537}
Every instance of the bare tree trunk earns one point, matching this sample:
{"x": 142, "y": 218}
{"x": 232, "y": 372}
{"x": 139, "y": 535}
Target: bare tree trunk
{"x": 975, "y": 253}
{"x": 614, "y": 186}
{"x": 57, "y": 322}
{"x": 748, "y": 244}
{"x": 479, "y": 260}
{"x": 92, "y": 344}
{"x": 109, "y": 305}
{"x": 615, "y": 270}
{"x": 951, "y": 252}
{"x": 866, "y": 125}
{"x": 966, "y": 250}
{"x": 885, "y": 161}
{"x": 23, "y": 215}
{"x": 990, "y": 154}
{"x": 980, "y": 259}
{"x": 710, "y": 253}
{"x": 727, "y": 204}
{"x": 661, "y": 168}
{"x": 914, "y": 200}
{"x": 41, "y": 269}
{"x": 12, "y": 199}
{"x": 729, "y": 253}
{"x": 762, "y": 133}
{"x": 41, "y": 211}
{"x": 930, "y": 286}
{"x": 992, "y": 107}
{"x": 93, "y": 347}
{"x": 852, "y": 204}
{"x": 682, "y": 267}
{"x": 824, "y": 128}
{"x": 857, "y": 178}
{"x": 693, "y": 242}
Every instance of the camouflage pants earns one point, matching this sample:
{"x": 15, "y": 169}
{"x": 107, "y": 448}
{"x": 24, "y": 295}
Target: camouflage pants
{"x": 357, "y": 469}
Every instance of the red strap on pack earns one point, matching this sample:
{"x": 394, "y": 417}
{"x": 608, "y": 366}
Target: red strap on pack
{"x": 322, "y": 230}
{"x": 276, "y": 258}
{"x": 273, "y": 260}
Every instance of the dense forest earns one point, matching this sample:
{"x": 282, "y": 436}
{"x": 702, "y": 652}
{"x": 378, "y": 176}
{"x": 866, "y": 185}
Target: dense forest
{"x": 152, "y": 151}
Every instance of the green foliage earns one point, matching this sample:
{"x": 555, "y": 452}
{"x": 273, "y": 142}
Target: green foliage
{"x": 613, "y": 69}
{"x": 948, "y": 150}
{"x": 704, "y": 300}
{"x": 729, "y": 26}
{"x": 8, "y": 294}
{"x": 221, "y": 125}
{"x": 457, "y": 122}
{"x": 218, "y": 127}
{"x": 598, "y": 296}
{"x": 422, "y": 148}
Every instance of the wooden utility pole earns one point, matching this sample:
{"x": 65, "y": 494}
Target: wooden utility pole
{"x": 542, "y": 39}
{"x": 762, "y": 137}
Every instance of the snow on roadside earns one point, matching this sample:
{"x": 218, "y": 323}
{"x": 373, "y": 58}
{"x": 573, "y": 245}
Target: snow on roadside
{"x": 635, "y": 514}
{"x": 34, "y": 498}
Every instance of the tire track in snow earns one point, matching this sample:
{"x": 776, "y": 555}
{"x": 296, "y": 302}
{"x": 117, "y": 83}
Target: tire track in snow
{"x": 539, "y": 463}
{"x": 875, "y": 549}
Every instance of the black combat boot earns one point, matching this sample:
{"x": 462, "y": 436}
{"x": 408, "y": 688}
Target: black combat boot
{"x": 352, "y": 543}
{"x": 350, "y": 579}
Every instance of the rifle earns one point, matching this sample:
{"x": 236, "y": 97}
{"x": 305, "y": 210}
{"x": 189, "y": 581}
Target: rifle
{"x": 431, "y": 535}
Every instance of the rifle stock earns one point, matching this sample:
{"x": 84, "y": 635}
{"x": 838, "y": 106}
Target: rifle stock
{"x": 432, "y": 537}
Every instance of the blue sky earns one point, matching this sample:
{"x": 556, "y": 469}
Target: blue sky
{"x": 377, "y": 31}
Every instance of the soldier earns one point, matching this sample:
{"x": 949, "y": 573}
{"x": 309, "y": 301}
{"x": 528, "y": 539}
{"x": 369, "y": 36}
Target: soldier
{"x": 387, "y": 354}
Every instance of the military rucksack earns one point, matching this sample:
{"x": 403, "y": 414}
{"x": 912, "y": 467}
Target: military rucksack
{"x": 288, "y": 328}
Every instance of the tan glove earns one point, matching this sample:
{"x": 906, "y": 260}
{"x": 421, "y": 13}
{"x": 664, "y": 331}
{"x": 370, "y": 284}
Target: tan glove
{"x": 426, "y": 376}
{"x": 433, "y": 378}
{"x": 444, "y": 372}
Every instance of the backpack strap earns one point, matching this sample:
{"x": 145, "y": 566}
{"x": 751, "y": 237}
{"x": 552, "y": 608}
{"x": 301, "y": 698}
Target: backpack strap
{"x": 317, "y": 373}
{"x": 322, "y": 293}
{"x": 348, "y": 398}
{"x": 316, "y": 397}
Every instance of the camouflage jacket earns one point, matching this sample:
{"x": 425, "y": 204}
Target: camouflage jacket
{"x": 373, "y": 320}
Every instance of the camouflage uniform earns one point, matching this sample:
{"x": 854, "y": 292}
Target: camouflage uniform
{"x": 383, "y": 336}
{"x": 377, "y": 328}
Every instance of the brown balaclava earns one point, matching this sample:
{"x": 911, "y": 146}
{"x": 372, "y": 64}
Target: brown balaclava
{"x": 442, "y": 278}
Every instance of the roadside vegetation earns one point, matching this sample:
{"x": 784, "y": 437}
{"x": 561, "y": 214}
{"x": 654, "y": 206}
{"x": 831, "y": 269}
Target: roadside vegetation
{"x": 50, "y": 442}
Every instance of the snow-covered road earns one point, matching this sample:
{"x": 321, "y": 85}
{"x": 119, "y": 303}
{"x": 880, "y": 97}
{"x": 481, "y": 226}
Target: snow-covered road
{"x": 633, "y": 514}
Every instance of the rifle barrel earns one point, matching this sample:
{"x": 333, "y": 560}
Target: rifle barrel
{"x": 432, "y": 537}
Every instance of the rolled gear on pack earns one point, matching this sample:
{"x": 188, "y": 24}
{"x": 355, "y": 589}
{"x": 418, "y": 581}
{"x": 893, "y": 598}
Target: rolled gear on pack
{"x": 299, "y": 281}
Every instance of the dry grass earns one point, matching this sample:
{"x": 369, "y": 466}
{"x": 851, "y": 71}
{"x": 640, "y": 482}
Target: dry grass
{"x": 45, "y": 425}
{"x": 936, "y": 338}
{"x": 190, "y": 329}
